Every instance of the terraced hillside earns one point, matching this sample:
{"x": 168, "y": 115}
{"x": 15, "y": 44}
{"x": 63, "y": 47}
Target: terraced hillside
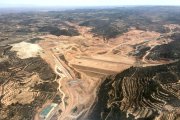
{"x": 96, "y": 64}
{"x": 26, "y": 84}
{"x": 140, "y": 93}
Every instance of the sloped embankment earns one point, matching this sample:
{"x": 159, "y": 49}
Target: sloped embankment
{"x": 150, "y": 93}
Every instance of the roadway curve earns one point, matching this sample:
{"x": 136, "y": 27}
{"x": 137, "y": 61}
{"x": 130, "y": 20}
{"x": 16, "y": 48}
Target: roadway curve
{"x": 59, "y": 88}
{"x": 66, "y": 91}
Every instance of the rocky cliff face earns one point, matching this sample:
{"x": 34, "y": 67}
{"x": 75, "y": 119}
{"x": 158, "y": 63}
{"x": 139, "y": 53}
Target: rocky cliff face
{"x": 150, "y": 93}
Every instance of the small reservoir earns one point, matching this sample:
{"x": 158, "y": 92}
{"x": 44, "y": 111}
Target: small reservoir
{"x": 49, "y": 111}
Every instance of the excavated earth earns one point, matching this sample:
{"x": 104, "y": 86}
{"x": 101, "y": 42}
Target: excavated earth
{"x": 26, "y": 84}
{"x": 134, "y": 74}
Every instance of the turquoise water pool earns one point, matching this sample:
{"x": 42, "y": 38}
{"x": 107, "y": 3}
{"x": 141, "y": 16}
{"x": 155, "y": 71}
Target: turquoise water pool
{"x": 46, "y": 110}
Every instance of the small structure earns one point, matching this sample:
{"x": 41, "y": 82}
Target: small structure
{"x": 49, "y": 111}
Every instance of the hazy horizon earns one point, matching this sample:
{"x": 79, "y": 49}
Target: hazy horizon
{"x": 86, "y": 3}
